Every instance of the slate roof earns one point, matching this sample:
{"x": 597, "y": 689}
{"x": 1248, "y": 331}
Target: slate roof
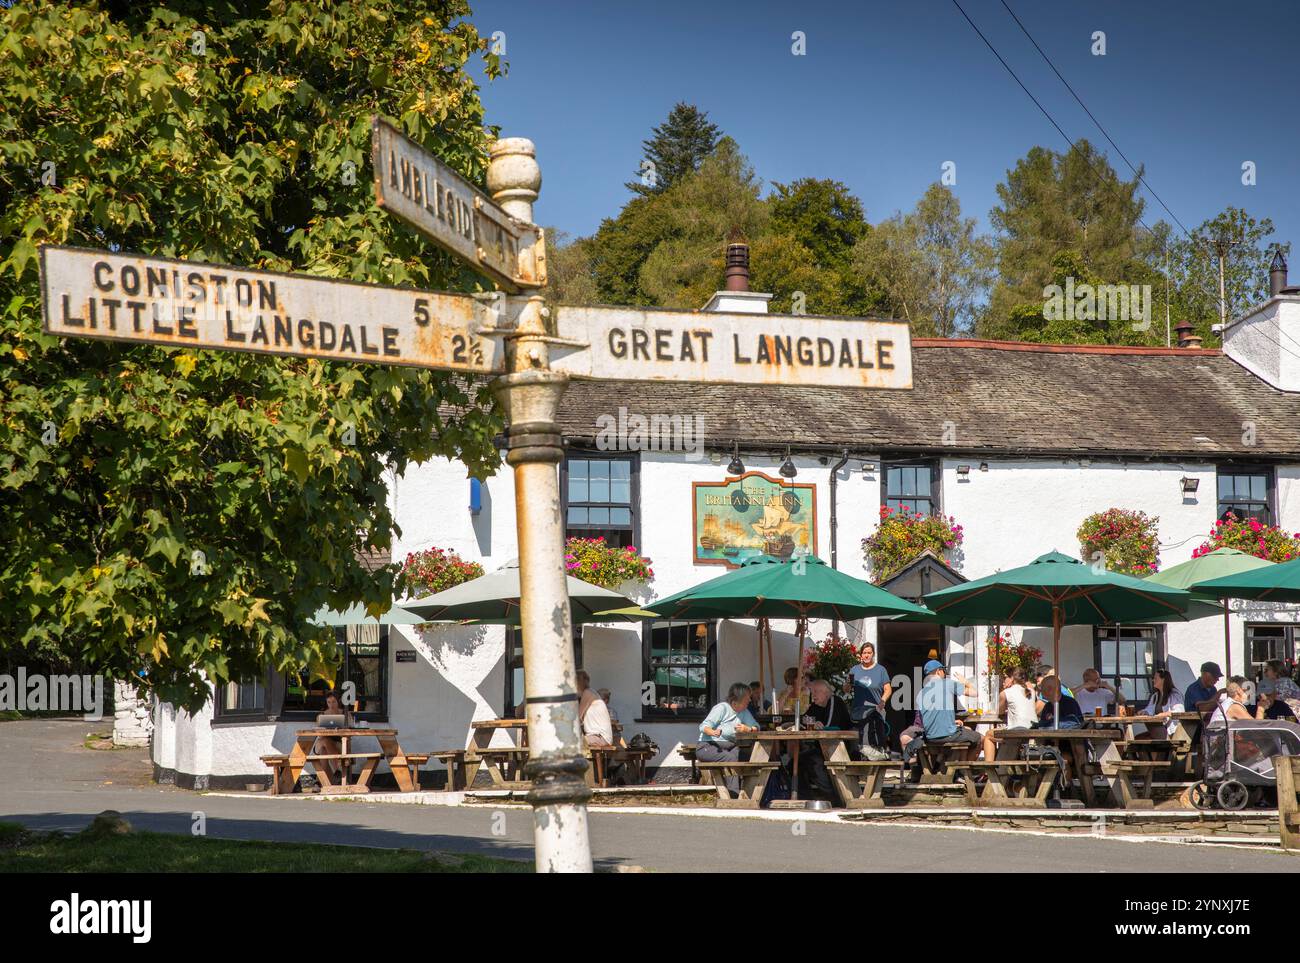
{"x": 1002, "y": 397}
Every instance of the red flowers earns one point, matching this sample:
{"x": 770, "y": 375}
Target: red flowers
{"x": 591, "y": 560}
{"x": 1127, "y": 541}
{"x": 1252, "y": 537}
{"x": 435, "y": 570}
{"x": 902, "y": 535}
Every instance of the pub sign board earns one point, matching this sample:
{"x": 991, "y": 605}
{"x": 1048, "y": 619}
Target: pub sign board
{"x": 636, "y": 344}
{"x": 752, "y": 514}
{"x": 175, "y": 303}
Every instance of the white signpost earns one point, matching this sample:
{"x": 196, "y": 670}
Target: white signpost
{"x": 421, "y": 190}
{"x": 155, "y": 300}
{"x": 100, "y": 294}
{"x": 635, "y": 344}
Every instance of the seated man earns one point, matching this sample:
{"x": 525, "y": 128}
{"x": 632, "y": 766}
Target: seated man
{"x": 1042, "y": 672}
{"x": 938, "y": 706}
{"x": 1049, "y": 696}
{"x": 1095, "y": 693}
{"x": 1204, "y": 690}
{"x": 827, "y": 711}
{"x": 597, "y": 726}
{"x": 756, "y": 701}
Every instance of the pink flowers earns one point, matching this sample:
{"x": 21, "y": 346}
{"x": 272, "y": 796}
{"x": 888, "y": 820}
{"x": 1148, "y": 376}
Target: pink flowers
{"x": 1127, "y": 540}
{"x": 591, "y": 560}
{"x": 1252, "y": 537}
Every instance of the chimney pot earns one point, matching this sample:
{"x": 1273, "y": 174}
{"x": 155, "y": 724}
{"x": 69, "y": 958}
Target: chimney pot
{"x": 737, "y": 277}
{"x": 1186, "y": 339}
{"x": 1277, "y": 274}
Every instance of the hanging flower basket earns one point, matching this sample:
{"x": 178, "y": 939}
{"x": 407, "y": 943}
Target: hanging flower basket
{"x": 436, "y": 570}
{"x": 902, "y": 535}
{"x": 1005, "y": 656}
{"x": 830, "y": 659}
{"x": 1124, "y": 541}
{"x": 1253, "y": 537}
{"x": 595, "y": 562}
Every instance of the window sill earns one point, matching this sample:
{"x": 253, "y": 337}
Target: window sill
{"x": 227, "y": 722}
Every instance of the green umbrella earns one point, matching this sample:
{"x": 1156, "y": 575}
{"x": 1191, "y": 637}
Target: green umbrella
{"x": 1057, "y": 590}
{"x": 1267, "y": 583}
{"x": 357, "y": 615}
{"x": 799, "y": 588}
{"x": 1220, "y": 563}
{"x": 494, "y": 599}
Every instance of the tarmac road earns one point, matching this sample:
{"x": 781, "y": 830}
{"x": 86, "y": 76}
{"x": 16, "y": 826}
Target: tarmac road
{"x": 51, "y": 781}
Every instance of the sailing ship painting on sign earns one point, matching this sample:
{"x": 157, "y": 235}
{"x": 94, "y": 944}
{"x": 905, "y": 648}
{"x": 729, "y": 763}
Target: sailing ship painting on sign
{"x": 753, "y": 515}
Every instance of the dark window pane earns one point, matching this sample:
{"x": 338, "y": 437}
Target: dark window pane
{"x": 598, "y": 516}
{"x": 620, "y": 516}
{"x": 577, "y": 516}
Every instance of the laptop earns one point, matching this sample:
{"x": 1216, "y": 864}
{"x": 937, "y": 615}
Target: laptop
{"x": 331, "y": 720}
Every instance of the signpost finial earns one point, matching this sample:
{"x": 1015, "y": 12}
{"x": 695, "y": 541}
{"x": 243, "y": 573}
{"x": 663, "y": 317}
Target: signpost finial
{"x": 514, "y": 177}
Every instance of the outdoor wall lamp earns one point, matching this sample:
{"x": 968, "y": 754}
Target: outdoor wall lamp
{"x": 735, "y": 466}
{"x": 984, "y": 466}
{"x": 787, "y": 467}
{"x": 1190, "y": 485}
{"x": 963, "y": 472}
{"x": 868, "y": 468}
{"x": 715, "y": 457}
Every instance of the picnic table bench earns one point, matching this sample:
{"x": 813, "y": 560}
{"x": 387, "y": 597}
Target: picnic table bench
{"x": 288, "y": 768}
{"x": 687, "y": 751}
{"x": 603, "y": 756}
{"x": 460, "y": 772}
{"x": 861, "y": 782}
{"x": 752, "y": 777}
{"x": 1009, "y": 782}
{"x": 505, "y": 765}
{"x": 934, "y": 757}
{"x": 1134, "y": 780}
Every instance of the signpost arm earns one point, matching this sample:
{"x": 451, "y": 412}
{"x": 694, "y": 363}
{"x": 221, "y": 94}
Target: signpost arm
{"x": 530, "y": 394}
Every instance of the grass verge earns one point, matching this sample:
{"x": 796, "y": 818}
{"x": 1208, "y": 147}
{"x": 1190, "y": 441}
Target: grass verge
{"x": 26, "y": 851}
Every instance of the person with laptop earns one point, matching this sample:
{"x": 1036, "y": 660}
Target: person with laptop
{"x": 333, "y": 717}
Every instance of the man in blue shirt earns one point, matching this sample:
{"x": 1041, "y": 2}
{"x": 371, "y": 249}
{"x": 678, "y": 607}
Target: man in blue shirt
{"x": 938, "y": 705}
{"x": 868, "y": 682}
{"x": 1203, "y": 689}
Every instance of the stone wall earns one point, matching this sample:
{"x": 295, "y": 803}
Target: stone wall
{"x": 132, "y": 719}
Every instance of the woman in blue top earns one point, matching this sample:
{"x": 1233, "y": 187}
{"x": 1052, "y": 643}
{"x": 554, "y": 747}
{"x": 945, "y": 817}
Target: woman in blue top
{"x": 720, "y": 727}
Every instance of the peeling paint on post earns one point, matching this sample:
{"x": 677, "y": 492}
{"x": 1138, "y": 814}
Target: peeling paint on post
{"x": 530, "y": 394}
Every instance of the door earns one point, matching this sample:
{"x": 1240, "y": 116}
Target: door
{"x": 903, "y": 648}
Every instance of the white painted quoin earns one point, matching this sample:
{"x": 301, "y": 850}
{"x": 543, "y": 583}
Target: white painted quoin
{"x": 1019, "y": 486}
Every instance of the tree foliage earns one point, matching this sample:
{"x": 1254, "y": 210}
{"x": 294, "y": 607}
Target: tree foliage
{"x": 179, "y": 515}
{"x": 676, "y": 148}
{"x": 931, "y": 265}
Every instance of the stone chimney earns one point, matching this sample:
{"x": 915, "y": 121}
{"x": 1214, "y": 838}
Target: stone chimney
{"x": 736, "y": 298}
{"x": 1186, "y": 339}
{"x": 1266, "y": 339}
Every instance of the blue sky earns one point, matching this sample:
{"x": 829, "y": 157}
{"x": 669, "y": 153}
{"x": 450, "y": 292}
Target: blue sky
{"x": 889, "y": 91}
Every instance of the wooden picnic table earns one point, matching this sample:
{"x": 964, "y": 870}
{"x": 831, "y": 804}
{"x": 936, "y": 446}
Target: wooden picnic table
{"x": 834, "y": 744}
{"x": 390, "y": 751}
{"x": 1181, "y": 738}
{"x": 1071, "y": 741}
{"x": 987, "y": 719}
{"x": 504, "y": 763}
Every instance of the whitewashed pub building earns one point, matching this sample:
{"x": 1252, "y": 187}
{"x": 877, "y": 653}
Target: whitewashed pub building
{"x": 1018, "y": 442}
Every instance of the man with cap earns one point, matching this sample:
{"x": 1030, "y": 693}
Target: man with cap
{"x": 938, "y": 705}
{"x": 1204, "y": 689}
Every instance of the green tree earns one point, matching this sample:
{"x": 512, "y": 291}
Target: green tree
{"x": 677, "y": 147}
{"x": 1053, "y": 202}
{"x": 182, "y": 514}
{"x": 932, "y": 266}
{"x": 1245, "y": 244}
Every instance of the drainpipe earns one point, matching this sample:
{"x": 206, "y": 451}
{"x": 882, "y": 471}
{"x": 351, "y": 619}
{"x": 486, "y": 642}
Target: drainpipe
{"x": 835, "y": 554}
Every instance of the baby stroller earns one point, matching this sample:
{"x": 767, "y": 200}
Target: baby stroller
{"x": 1238, "y": 756}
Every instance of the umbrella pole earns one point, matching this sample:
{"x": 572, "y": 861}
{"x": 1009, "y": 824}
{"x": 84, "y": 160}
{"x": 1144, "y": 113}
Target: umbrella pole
{"x": 762, "y": 678}
{"x": 1227, "y": 639}
{"x": 801, "y": 627}
{"x": 1057, "y": 616}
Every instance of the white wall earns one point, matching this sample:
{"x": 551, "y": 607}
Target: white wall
{"x": 1012, "y": 513}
